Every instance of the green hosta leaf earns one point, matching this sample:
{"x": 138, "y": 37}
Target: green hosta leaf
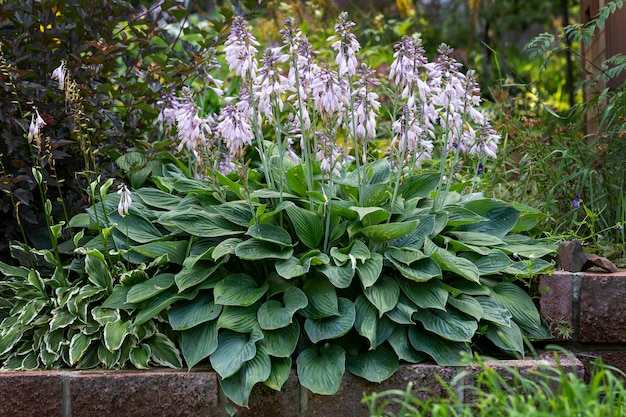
{"x": 389, "y": 231}
{"x": 117, "y": 299}
{"x": 507, "y": 338}
{"x": 493, "y": 312}
{"x": 369, "y": 325}
{"x": 379, "y": 171}
{"x": 238, "y": 319}
{"x": 399, "y": 341}
{"x": 403, "y": 311}
{"x": 448, "y": 324}
{"x": 322, "y": 298}
{"x": 383, "y": 295}
{"x": 270, "y": 233}
{"x": 274, "y": 315}
{"x": 114, "y": 334}
{"x": 225, "y": 247}
{"x": 537, "y": 333}
{"x": 529, "y": 268}
{"x": 501, "y": 217}
{"x": 136, "y": 226}
{"x": 450, "y": 262}
{"x": 148, "y": 289}
{"x": 157, "y": 198}
{"x": 425, "y": 294}
{"x": 291, "y": 268}
{"x": 494, "y": 262}
{"x": 371, "y": 215}
{"x": 468, "y": 305}
{"x": 420, "y": 271}
{"x": 308, "y": 225}
{"x": 339, "y": 276}
{"x": 529, "y": 251}
{"x": 78, "y": 346}
{"x": 518, "y": 302}
{"x": 528, "y": 218}
{"x": 188, "y": 315}
{"x": 199, "y": 223}
{"x": 140, "y": 356}
{"x": 357, "y": 250}
{"x": 375, "y": 195}
{"x": 281, "y": 369}
{"x": 458, "y": 216}
{"x": 419, "y": 185}
{"x": 321, "y": 369}
{"x": 374, "y": 365}
{"x": 282, "y": 342}
{"x": 256, "y": 250}
{"x": 176, "y": 251}
{"x": 97, "y": 270}
{"x": 239, "y": 386}
{"x": 30, "y": 311}
{"x": 237, "y": 212}
{"x": 334, "y": 326}
{"x": 195, "y": 274}
{"x": 199, "y": 342}
{"x": 370, "y": 270}
{"x": 477, "y": 238}
{"x": 157, "y": 304}
{"x": 444, "y": 352}
{"x": 233, "y": 350}
{"x": 463, "y": 286}
{"x": 164, "y": 351}
{"x": 238, "y": 290}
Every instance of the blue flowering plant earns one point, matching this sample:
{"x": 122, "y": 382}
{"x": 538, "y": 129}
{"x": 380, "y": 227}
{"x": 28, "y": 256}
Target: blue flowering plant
{"x": 272, "y": 238}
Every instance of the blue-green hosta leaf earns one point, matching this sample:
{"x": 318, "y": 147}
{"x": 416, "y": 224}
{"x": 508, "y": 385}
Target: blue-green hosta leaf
{"x": 195, "y": 273}
{"x": 448, "y": 324}
{"x": 371, "y": 215}
{"x": 493, "y": 312}
{"x": 374, "y": 365}
{"x": 308, "y": 225}
{"x": 339, "y": 275}
{"x": 199, "y": 223}
{"x": 274, "y": 315}
{"x": 458, "y": 216}
{"x": 256, "y": 250}
{"x": 463, "y": 286}
{"x": 415, "y": 240}
{"x": 477, "y": 238}
{"x": 239, "y": 386}
{"x": 518, "y": 302}
{"x": 322, "y": 297}
{"x": 430, "y": 294}
{"x": 233, "y": 350}
{"x": 402, "y": 313}
{"x": 507, "y": 338}
{"x": 334, "y": 326}
{"x": 369, "y": 325}
{"x": 281, "y": 343}
{"x": 370, "y": 270}
{"x": 157, "y": 198}
{"x": 78, "y": 346}
{"x": 135, "y": 226}
{"x": 97, "y": 270}
{"x": 281, "y": 369}
{"x": 378, "y": 172}
{"x": 291, "y": 268}
{"x": 405, "y": 256}
{"x": 537, "y": 333}
{"x": 199, "y": 342}
{"x": 238, "y": 319}
{"x": 380, "y": 233}
{"x": 459, "y": 247}
{"x": 270, "y": 233}
{"x": 320, "y": 369}
{"x": 450, "y": 262}
{"x": 114, "y": 334}
{"x": 501, "y": 217}
{"x": 239, "y": 290}
{"x": 140, "y": 356}
{"x": 419, "y": 185}
{"x": 468, "y": 305}
{"x": 225, "y": 247}
{"x": 529, "y": 251}
{"x": 399, "y": 341}
{"x": 357, "y": 250}
{"x": 188, "y": 315}
{"x": 444, "y": 352}
{"x": 529, "y": 268}
{"x": 237, "y": 212}
{"x": 383, "y": 295}
{"x": 494, "y": 262}
{"x": 150, "y": 288}
{"x": 176, "y": 250}
{"x": 157, "y": 304}
{"x": 164, "y": 351}
{"x": 420, "y": 271}
{"x": 376, "y": 195}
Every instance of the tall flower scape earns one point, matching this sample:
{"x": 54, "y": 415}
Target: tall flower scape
{"x": 281, "y": 239}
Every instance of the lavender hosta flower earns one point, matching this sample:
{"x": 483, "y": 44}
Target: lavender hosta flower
{"x": 329, "y": 96}
{"x": 485, "y": 142}
{"x": 270, "y": 83}
{"x": 125, "y": 200}
{"x": 240, "y": 49}
{"x": 366, "y": 104}
{"x": 59, "y": 75}
{"x": 235, "y": 130}
{"x": 331, "y": 157}
{"x": 36, "y": 123}
{"x": 409, "y": 67}
{"x": 193, "y": 130}
{"x": 410, "y": 136}
{"x": 346, "y": 45}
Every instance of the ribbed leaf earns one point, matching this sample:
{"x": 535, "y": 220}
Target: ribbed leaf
{"x": 425, "y": 294}
{"x": 389, "y": 231}
{"x": 507, "y": 338}
{"x": 308, "y": 225}
{"x": 403, "y": 311}
{"x": 114, "y": 334}
{"x": 239, "y": 386}
{"x": 383, "y": 295}
{"x": 148, "y": 289}
{"x": 238, "y": 319}
{"x": 274, "y": 315}
{"x": 370, "y": 270}
{"x": 176, "y": 251}
{"x": 164, "y": 351}
{"x": 448, "y": 324}
{"x": 468, "y": 305}
{"x": 450, "y": 262}
{"x": 189, "y": 315}
{"x": 399, "y": 341}
{"x": 196, "y": 273}
{"x": 340, "y": 276}
{"x": 281, "y": 343}
{"x": 518, "y": 302}
{"x": 334, "y": 326}
{"x": 501, "y": 217}
{"x": 281, "y": 369}
{"x": 238, "y": 290}
{"x": 493, "y": 312}
{"x": 291, "y": 268}
{"x": 199, "y": 342}
{"x": 270, "y": 233}
{"x": 233, "y": 350}
{"x": 374, "y": 365}
{"x": 322, "y": 298}
{"x": 255, "y": 250}
{"x": 369, "y": 325}
{"x": 321, "y": 369}
{"x": 444, "y": 352}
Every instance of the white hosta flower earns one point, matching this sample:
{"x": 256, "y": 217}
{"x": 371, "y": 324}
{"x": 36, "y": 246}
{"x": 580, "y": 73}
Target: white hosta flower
{"x": 346, "y": 45}
{"x": 59, "y": 75}
{"x": 36, "y": 123}
{"x": 125, "y": 200}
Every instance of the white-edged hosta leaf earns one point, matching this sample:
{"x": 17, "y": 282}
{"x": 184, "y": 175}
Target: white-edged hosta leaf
{"x": 78, "y": 346}
{"x": 97, "y": 269}
{"x": 507, "y": 338}
{"x": 197, "y": 311}
{"x": 164, "y": 351}
{"x": 320, "y": 369}
{"x": 383, "y": 295}
{"x": 370, "y": 270}
{"x": 114, "y": 334}
{"x": 233, "y": 350}
{"x": 199, "y": 342}
{"x": 274, "y": 315}
{"x": 334, "y": 326}
{"x": 444, "y": 352}
{"x": 104, "y": 315}
{"x": 448, "y": 324}
{"x": 238, "y": 290}
{"x": 281, "y": 343}
{"x": 281, "y": 369}
{"x": 374, "y": 365}
{"x": 108, "y": 359}
{"x": 238, "y": 386}
{"x": 140, "y": 356}
{"x": 429, "y": 294}
{"x": 518, "y": 302}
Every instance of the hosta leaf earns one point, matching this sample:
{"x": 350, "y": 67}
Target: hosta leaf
{"x": 468, "y": 305}
{"x": 322, "y": 298}
{"x": 501, "y": 217}
{"x": 176, "y": 251}
{"x": 97, "y": 270}
{"x": 403, "y": 311}
{"x": 199, "y": 223}
{"x": 199, "y": 342}
{"x": 239, "y": 386}
{"x": 370, "y": 270}
{"x": 389, "y": 231}
{"x": 419, "y": 185}
{"x": 10, "y": 337}
{"x": 117, "y": 299}
{"x": 235, "y": 212}
{"x": 140, "y": 356}
{"x": 238, "y": 319}
{"x": 404, "y": 255}
{"x": 399, "y": 341}
{"x": 374, "y": 365}
{"x": 157, "y": 198}
{"x": 369, "y": 325}
{"x": 31, "y": 310}
{"x": 114, "y": 334}
{"x": 225, "y": 247}
{"x": 270, "y": 233}
{"x": 529, "y": 268}
{"x": 308, "y": 225}
{"x": 320, "y": 369}
{"x": 255, "y": 250}
{"x": 238, "y": 290}
{"x": 415, "y": 239}
{"x": 494, "y": 262}
{"x": 281, "y": 369}
{"x": 493, "y": 312}
{"x": 340, "y": 276}
{"x": 420, "y": 271}
{"x": 371, "y": 215}
{"x": 448, "y": 324}
{"x": 195, "y": 274}
{"x": 281, "y": 343}
{"x": 463, "y": 286}
{"x": 14, "y": 271}
{"x": 274, "y": 315}
{"x": 444, "y": 352}
{"x": 136, "y": 226}
{"x": 507, "y": 338}
{"x": 148, "y": 289}
{"x": 164, "y": 351}
{"x": 458, "y": 215}
{"x": 425, "y": 294}
{"x": 477, "y": 238}
{"x": 334, "y": 326}
{"x": 78, "y": 346}
{"x": 291, "y": 268}
{"x": 108, "y": 359}
{"x": 383, "y": 295}
{"x": 157, "y": 304}
{"x": 450, "y": 262}
{"x": 61, "y": 319}
{"x": 233, "y": 350}
{"x": 188, "y": 315}
{"x": 518, "y": 302}
{"x": 535, "y": 251}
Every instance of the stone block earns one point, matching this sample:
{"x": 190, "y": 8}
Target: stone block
{"x": 555, "y": 294}
{"x": 602, "y": 308}
{"x": 31, "y": 394}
